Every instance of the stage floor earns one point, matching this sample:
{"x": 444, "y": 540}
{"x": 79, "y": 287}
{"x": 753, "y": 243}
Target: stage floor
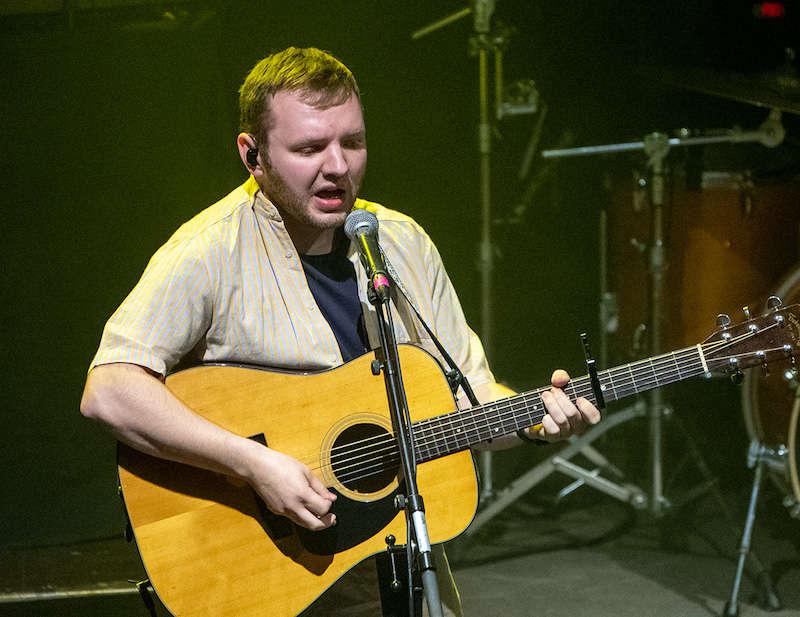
{"x": 601, "y": 559}
{"x": 587, "y": 555}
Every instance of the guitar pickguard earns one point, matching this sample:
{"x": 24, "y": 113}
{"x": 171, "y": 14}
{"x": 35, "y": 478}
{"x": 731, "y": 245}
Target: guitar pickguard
{"x": 356, "y": 521}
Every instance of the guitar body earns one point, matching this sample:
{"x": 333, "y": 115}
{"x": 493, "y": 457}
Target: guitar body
{"x": 208, "y": 543}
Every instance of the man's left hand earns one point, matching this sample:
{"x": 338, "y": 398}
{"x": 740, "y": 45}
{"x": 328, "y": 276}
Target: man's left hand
{"x": 564, "y": 418}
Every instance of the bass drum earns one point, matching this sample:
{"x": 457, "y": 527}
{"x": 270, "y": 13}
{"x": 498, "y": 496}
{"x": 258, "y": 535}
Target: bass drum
{"x": 771, "y": 405}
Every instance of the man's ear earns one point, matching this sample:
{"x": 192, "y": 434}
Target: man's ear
{"x": 248, "y": 152}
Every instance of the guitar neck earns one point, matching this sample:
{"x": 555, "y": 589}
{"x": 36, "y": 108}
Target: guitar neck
{"x": 449, "y": 433}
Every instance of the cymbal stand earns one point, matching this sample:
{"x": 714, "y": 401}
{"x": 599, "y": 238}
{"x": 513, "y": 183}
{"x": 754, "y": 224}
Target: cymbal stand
{"x": 656, "y": 147}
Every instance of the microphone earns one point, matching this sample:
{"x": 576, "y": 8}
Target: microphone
{"x": 361, "y": 226}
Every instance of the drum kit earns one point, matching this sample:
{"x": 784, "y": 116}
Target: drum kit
{"x": 731, "y": 239}
{"x": 727, "y": 238}
{"x": 704, "y": 239}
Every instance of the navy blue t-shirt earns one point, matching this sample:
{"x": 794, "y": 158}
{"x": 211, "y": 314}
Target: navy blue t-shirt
{"x": 332, "y": 280}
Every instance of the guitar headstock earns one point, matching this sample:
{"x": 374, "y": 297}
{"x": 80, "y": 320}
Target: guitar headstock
{"x": 773, "y": 336}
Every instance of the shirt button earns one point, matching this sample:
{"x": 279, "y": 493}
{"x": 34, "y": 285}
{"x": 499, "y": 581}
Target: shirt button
{"x": 288, "y": 255}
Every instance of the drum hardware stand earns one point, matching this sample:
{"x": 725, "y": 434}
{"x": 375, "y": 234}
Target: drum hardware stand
{"x": 560, "y": 462}
{"x": 757, "y": 457}
{"x": 488, "y": 40}
{"x": 656, "y": 146}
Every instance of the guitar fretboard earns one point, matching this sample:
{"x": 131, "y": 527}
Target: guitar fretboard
{"x": 449, "y": 433}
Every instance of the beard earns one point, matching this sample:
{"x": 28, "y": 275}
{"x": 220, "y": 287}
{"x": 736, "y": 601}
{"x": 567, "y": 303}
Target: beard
{"x": 296, "y": 207}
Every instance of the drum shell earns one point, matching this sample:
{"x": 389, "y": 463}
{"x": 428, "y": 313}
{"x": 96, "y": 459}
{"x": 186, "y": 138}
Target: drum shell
{"x": 725, "y": 245}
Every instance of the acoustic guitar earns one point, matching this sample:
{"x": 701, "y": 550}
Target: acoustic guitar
{"x": 211, "y": 547}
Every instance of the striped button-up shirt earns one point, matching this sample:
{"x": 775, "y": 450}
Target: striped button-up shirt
{"x": 229, "y": 286}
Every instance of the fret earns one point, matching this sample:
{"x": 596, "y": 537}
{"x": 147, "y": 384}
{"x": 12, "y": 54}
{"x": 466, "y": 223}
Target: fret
{"x": 426, "y": 446}
{"x": 633, "y": 380}
{"x": 653, "y": 370}
{"x": 677, "y": 366}
{"x": 610, "y": 393}
{"x": 462, "y": 434}
{"x": 607, "y": 386}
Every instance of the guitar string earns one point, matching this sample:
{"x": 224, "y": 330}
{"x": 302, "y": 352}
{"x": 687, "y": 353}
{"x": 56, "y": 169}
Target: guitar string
{"x": 431, "y": 439}
{"x": 659, "y": 360}
{"x": 369, "y": 442}
{"x": 389, "y": 453}
{"x": 390, "y": 462}
{"x": 387, "y": 461}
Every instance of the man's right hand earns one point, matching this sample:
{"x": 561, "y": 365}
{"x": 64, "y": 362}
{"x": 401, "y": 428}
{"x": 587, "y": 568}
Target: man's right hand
{"x": 136, "y": 406}
{"x": 291, "y": 489}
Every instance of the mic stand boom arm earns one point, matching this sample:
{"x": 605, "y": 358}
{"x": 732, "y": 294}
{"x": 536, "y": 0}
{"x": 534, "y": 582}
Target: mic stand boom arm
{"x": 398, "y": 406}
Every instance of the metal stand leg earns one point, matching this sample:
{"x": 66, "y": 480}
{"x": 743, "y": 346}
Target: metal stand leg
{"x": 757, "y": 454}
{"x": 560, "y": 462}
{"x": 768, "y": 598}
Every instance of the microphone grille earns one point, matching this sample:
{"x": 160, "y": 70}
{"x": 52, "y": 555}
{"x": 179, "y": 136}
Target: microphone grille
{"x": 360, "y": 222}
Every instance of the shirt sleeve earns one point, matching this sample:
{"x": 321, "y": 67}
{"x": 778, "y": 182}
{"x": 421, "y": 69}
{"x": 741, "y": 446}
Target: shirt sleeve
{"x": 165, "y": 315}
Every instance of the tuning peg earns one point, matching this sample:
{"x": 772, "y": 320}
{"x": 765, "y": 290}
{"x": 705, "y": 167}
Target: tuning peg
{"x": 746, "y": 311}
{"x": 774, "y": 303}
{"x": 723, "y": 321}
{"x": 737, "y": 377}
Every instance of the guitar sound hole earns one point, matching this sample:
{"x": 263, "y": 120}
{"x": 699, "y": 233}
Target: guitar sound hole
{"x": 364, "y": 458}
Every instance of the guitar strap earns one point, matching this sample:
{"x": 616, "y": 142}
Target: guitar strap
{"x": 454, "y": 375}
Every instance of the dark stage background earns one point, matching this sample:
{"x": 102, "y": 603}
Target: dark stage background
{"x": 120, "y": 125}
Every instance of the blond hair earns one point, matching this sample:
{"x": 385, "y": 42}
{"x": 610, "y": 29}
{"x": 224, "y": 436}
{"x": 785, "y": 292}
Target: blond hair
{"x": 322, "y": 80}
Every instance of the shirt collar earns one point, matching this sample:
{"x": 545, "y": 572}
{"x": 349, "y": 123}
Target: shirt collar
{"x": 259, "y": 201}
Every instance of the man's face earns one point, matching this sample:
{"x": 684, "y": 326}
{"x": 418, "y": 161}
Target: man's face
{"x": 317, "y": 159}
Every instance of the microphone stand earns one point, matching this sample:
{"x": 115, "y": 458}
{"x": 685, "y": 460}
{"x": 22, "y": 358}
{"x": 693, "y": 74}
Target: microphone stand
{"x": 412, "y": 501}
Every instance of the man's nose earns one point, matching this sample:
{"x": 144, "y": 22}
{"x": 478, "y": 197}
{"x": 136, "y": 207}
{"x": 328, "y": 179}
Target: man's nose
{"x": 335, "y": 163}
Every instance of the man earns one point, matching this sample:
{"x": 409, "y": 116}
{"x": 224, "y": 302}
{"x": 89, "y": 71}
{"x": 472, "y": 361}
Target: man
{"x": 265, "y": 276}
